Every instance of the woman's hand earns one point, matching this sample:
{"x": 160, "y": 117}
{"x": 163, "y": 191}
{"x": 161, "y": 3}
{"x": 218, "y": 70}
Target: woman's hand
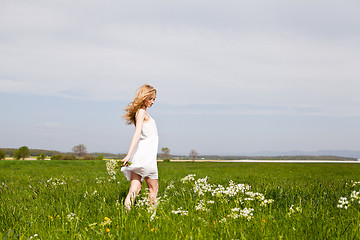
{"x": 125, "y": 161}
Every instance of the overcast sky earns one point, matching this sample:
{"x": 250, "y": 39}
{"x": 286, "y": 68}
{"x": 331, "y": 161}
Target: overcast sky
{"x": 233, "y": 77}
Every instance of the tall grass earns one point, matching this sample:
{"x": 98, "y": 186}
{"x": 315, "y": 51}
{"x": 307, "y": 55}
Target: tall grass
{"x": 76, "y": 200}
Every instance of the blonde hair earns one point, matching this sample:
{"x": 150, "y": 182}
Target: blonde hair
{"x": 143, "y": 93}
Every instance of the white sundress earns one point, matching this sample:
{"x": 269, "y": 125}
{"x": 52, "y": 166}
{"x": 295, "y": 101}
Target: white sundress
{"x": 143, "y": 160}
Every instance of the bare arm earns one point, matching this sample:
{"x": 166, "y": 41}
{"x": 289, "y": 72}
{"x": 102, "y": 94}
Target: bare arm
{"x": 139, "y": 123}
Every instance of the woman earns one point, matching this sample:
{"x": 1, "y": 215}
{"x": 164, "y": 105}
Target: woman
{"x": 143, "y": 147}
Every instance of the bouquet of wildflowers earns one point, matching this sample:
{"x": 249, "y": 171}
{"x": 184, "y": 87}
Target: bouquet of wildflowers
{"x": 113, "y": 167}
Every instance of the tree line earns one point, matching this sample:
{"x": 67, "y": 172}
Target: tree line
{"x": 33, "y": 152}
{"x": 80, "y": 152}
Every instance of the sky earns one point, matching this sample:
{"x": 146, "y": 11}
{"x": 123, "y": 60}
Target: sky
{"x": 233, "y": 77}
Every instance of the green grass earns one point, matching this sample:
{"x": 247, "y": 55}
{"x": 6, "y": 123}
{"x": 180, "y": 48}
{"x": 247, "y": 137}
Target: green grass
{"x": 31, "y": 204}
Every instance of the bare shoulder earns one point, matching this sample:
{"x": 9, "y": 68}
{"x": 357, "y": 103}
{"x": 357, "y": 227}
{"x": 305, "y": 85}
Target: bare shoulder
{"x": 140, "y": 114}
{"x": 142, "y": 111}
{"x": 143, "y": 115}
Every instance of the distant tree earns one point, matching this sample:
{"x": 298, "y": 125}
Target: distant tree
{"x": 57, "y": 157}
{"x": 193, "y": 154}
{"x": 68, "y": 157}
{"x": 42, "y": 156}
{"x": 80, "y": 150}
{"x": 16, "y": 154}
{"x": 23, "y": 152}
{"x": 89, "y": 157}
{"x": 166, "y": 152}
{"x": 2, "y": 155}
{"x": 100, "y": 157}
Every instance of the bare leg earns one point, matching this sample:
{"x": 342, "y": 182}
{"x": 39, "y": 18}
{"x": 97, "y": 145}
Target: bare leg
{"x": 153, "y": 186}
{"x": 135, "y": 187}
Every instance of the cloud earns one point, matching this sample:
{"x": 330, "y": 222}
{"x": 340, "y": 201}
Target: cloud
{"x": 51, "y": 125}
{"x": 47, "y": 126}
{"x": 12, "y": 86}
{"x": 270, "y": 54}
{"x": 260, "y": 110}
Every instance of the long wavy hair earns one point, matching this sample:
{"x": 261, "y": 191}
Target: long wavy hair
{"x": 143, "y": 93}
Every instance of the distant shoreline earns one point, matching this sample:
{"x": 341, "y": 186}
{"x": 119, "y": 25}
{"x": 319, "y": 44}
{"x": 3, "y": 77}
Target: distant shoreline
{"x": 221, "y": 161}
{"x": 267, "y": 161}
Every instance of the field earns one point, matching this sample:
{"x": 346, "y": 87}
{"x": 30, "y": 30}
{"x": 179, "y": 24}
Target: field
{"x": 78, "y": 200}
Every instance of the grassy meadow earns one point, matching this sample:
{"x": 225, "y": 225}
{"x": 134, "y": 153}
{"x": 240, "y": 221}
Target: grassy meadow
{"x": 78, "y": 200}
